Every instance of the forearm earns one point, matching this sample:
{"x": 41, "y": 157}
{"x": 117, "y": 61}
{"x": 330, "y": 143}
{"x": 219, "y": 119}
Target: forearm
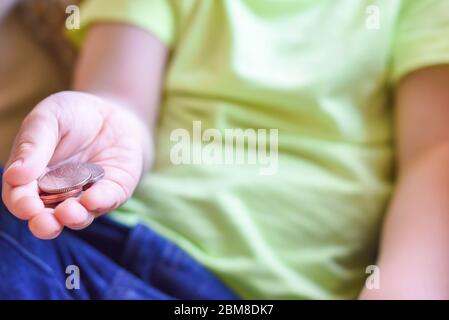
{"x": 125, "y": 64}
{"x": 414, "y": 252}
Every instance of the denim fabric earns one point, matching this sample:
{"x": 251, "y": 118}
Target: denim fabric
{"x": 115, "y": 262}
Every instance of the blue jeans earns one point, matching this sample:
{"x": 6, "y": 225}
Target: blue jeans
{"x": 114, "y": 262}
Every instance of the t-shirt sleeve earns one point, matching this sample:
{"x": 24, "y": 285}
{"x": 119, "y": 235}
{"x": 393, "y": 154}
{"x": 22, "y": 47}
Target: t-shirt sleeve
{"x": 155, "y": 16}
{"x": 421, "y": 38}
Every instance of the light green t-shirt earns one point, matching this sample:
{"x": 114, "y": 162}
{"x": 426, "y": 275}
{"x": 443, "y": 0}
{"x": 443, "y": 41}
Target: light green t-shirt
{"x": 318, "y": 71}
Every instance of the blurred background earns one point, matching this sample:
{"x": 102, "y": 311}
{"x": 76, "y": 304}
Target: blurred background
{"x": 35, "y": 60}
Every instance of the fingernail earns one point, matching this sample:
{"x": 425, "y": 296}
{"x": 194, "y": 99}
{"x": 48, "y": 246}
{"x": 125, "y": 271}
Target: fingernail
{"x": 54, "y": 234}
{"x": 16, "y": 163}
{"x": 84, "y": 224}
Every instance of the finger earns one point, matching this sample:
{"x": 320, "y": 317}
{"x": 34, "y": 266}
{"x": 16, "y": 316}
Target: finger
{"x": 72, "y": 214}
{"x": 32, "y": 149}
{"x": 44, "y": 225}
{"x": 104, "y": 196}
{"x": 22, "y": 201}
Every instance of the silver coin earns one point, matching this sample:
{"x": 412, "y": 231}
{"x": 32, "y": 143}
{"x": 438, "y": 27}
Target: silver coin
{"x": 65, "y": 177}
{"x": 97, "y": 172}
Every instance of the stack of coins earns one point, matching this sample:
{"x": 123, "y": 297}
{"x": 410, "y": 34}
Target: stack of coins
{"x": 68, "y": 180}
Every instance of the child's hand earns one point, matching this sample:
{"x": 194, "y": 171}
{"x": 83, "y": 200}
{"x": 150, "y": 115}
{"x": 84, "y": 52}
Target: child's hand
{"x": 76, "y": 127}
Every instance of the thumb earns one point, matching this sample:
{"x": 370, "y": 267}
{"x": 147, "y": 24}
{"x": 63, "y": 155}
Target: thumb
{"x": 33, "y": 148}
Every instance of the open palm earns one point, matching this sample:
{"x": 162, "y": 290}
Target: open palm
{"x": 75, "y": 127}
